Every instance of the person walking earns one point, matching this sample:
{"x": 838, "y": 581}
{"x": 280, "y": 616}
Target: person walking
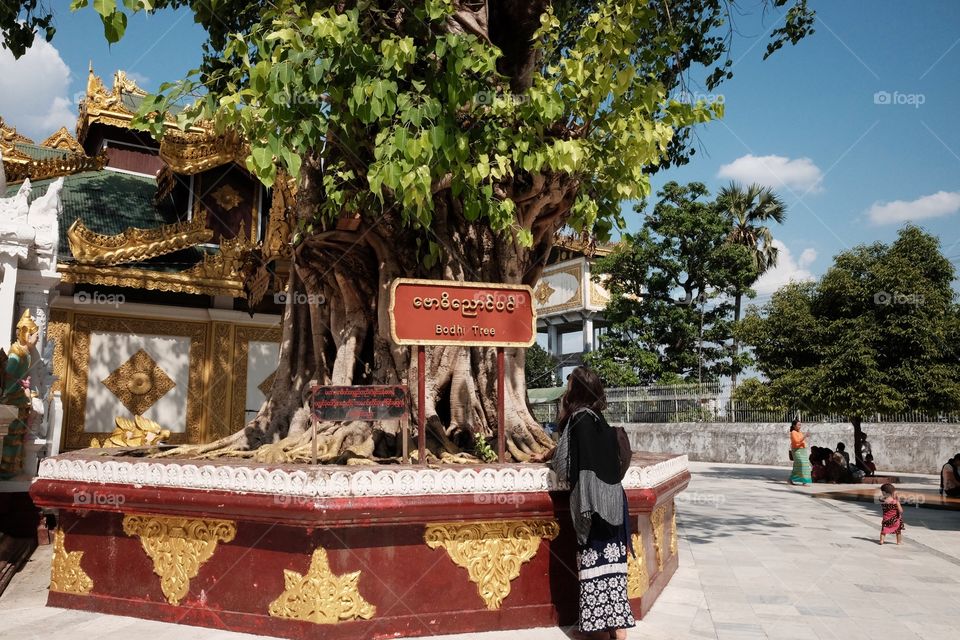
{"x": 800, "y": 455}
{"x": 587, "y": 458}
{"x": 892, "y": 513}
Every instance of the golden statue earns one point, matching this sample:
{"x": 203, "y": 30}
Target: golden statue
{"x": 138, "y": 432}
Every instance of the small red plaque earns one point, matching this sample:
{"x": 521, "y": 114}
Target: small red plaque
{"x": 465, "y": 313}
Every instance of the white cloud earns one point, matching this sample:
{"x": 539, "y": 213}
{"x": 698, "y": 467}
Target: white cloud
{"x": 776, "y": 172}
{"x": 788, "y": 269}
{"x": 939, "y": 204}
{"x": 35, "y": 91}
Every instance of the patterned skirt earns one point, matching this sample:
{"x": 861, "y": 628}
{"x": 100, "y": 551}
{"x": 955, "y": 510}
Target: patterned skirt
{"x": 602, "y": 563}
{"x": 892, "y": 521}
{"x": 801, "y": 467}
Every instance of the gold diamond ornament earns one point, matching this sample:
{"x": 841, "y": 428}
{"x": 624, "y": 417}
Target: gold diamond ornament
{"x": 139, "y": 382}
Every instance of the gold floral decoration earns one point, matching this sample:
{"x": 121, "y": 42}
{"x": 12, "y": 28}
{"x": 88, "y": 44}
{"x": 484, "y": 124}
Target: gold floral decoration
{"x": 139, "y": 382}
{"x": 637, "y": 577}
{"x": 134, "y": 245}
{"x": 227, "y": 197}
{"x": 66, "y": 574}
{"x": 321, "y": 597}
{"x": 138, "y": 432}
{"x": 491, "y": 552}
{"x": 178, "y": 547}
{"x": 543, "y": 292}
{"x": 656, "y": 523}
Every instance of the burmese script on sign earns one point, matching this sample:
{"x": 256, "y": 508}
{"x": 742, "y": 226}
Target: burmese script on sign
{"x": 339, "y": 404}
{"x": 439, "y": 312}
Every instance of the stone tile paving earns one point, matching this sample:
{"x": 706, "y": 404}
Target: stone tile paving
{"x": 758, "y": 559}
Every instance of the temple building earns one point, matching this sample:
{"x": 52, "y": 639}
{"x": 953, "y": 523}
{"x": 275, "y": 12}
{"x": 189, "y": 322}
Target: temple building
{"x": 151, "y": 317}
{"x": 570, "y": 304}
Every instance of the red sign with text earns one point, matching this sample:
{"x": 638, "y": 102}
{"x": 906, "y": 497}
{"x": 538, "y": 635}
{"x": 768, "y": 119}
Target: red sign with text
{"x": 464, "y": 313}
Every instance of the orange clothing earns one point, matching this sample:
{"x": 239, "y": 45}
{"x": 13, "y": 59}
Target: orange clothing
{"x": 797, "y": 440}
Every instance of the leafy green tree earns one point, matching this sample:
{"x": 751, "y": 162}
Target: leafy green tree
{"x": 436, "y": 139}
{"x": 878, "y": 333}
{"x": 541, "y": 368}
{"x": 669, "y": 311}
{"x": 750, "y": 209}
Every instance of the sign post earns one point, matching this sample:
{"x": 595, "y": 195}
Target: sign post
{"x": 468, "y": 314}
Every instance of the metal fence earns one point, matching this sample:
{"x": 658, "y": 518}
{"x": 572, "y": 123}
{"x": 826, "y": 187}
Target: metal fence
{"x": 710, "y": 402}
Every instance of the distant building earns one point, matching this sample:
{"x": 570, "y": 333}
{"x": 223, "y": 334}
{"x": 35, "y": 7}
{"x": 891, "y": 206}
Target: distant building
{"x": 569, "y": 304}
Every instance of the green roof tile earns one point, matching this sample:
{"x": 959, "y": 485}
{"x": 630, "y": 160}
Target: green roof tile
{"x": 36, "y": 152}
{"x": 109, "y": 202}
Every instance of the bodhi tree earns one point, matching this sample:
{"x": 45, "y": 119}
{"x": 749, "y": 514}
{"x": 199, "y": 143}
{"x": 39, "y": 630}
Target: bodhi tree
{"x": 877, "y": 334}
{"x": 446, "y": 139}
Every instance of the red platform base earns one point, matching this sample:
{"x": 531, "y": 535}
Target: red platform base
{"x": 351, "y": 560}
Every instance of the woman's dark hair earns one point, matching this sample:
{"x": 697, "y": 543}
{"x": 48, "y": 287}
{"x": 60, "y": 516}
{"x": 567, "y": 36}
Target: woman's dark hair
{"x": 585, "y": 392}
{"x": 888, "y": 488}
{"x": 841, "y": 446}
{"x": 795, "y": 425}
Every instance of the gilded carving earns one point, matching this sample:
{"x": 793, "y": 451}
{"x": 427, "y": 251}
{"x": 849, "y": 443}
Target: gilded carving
{"x": 656, "y": 523}
{"x": 227, "y": 197}
{"x": 196, "y": 151}
{"x": 64, "y": 141}
{"x": 183, "y": 282}
{"x": 320, "y": 596}
{"x": 638, "y": 580}
{"x": 220, "y": 382}
{"x": 543, "y": 292}
{"x": 673, "y": 531}
{"x": 225, "y": 264}
{"x": 575, "y": 300}
{"x": 134, "y": 245}
{"x": 178, "y": 547}
{"x": 66, "y": 574}
{"x": 138, "y": 432}
{"x": 244, "y": 336}
{"x": 76, "y": 398}
{"x": 280, "y": 224}
{"x": 267, "y": 383}
{"x": 491, "y": 552}
{"x": 58, "y": 330}
{"x": 139, "y": 382}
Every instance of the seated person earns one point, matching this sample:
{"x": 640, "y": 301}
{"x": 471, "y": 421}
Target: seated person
{"x": 842, "y": 450}
{"x": 836, "y": 468}
{"x": 818, "y": 472}
{"x": 950, "y": 478}
{"x": 871, "y": 467}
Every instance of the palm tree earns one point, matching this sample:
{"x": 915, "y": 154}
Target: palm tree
{"x": 750, "y": 209}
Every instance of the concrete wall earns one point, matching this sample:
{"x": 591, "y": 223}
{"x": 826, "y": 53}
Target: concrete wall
{"x": 904, "y": 447}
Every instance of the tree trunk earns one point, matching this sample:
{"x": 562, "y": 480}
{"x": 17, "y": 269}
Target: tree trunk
{"x": 346, "y": 340}
{"x": 738, "y": 299}
{"x": 857, "y": 439}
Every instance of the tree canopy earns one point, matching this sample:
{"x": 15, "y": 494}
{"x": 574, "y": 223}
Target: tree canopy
{"x": 670, "y": 285}
{"x": 878, "y": 333}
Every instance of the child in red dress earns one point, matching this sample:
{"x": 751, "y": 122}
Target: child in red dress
{"x": 892, "y": 521}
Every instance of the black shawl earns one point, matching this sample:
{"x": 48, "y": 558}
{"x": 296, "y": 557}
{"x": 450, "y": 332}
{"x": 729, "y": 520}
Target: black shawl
{"x": 587, "y": 458}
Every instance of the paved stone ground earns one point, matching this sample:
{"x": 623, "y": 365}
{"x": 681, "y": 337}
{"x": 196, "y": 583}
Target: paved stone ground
{"x": 759, "y": 559}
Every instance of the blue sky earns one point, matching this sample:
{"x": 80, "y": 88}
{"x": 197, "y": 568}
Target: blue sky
{"x": 855, "y": 127}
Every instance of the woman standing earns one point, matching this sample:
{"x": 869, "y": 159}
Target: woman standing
{"x": 587, "y": 457}
{"x": 800, "y": 455}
